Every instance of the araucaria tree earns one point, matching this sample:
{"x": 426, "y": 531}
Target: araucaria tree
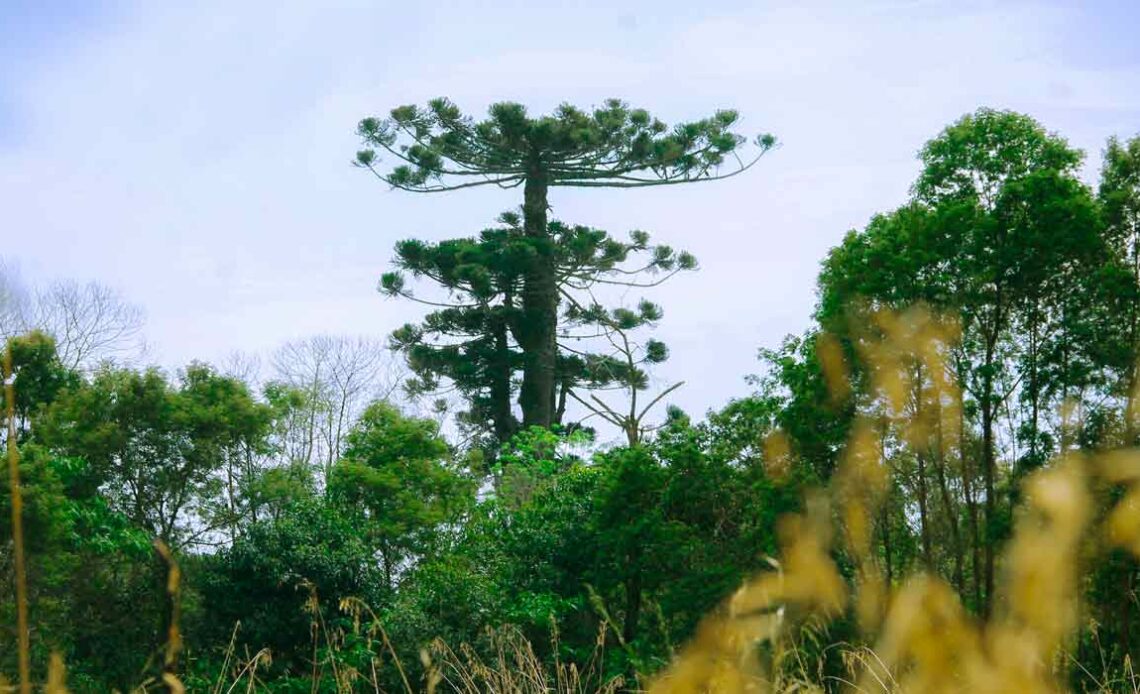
{"x": 472, "y": 339}
{"x": 438, "y": 149}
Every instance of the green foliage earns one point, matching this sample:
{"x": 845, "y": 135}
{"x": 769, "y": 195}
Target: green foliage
{"x": 41, "y": 376}
{"x": 975, "y": 158}
{"x": 439, "y": 149}
{"x": 1030, "y": 283}
{"x": 155, "y": 450}
{"x": 609, "y": 146}
{"x": 638, "y": 542}
{"x": 532, "y": 457}
{"x": 267, "y": 578}
{"x": 395, "y": 480}
{"x": 475, "y": 340}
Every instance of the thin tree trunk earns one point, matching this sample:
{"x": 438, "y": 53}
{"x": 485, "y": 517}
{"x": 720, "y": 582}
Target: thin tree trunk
{"x": 1126, "y": 616}
{"x": 971, "y": 510}
{"x": 386, "y": 561}
{"x": 632, "y": 607}
{"x": 989, "y": 464}
{"x": 1130, "y": 430}
{"x": 231, "y": 496}
{"x": 948, "y": 505}
{"x": 885, "y": 516}
{"x": 884, "y": 510}
{"x": 920, "y": 461}
{"x": 502, "y": 418}
{"x": 1127, "y": 586}
{"x": 563, "y": 390}
{"x": 923, "y": 514}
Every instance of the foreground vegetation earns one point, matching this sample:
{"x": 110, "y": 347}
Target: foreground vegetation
{"x": 932, "y": 489}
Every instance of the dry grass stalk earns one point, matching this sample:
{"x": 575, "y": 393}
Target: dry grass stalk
{"x": 514, "y": 667}
{"x": 24, "y": 659}
{"x": 174, "y": 634}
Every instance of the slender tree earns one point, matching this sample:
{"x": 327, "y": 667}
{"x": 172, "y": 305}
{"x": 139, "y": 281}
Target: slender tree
{"x": 625, "y": 363}
{"x": 1119, "y": 196}
{"x": 397, "y": 476}
{"x": 998, "y": 178}
{"x": 89, "y": 322}
{"x": 15, "y": 303}
{"x": 1000, "y": 234}
{"x": 160, "y": 453}
{"x": 1119, "y": 281}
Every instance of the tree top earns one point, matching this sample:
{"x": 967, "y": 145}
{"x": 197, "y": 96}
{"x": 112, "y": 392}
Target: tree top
{"x": 438, "y": 148}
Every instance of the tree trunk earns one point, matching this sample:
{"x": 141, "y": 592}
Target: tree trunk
{"x": 886, "y": 523}
{"x": 1134, "y": 344}
{"x": 231, "y": 496}
{"x": 1130, "y": 432}
{"x": 503, "y": 419}
{"x": 539, "y": 325}
{"x": 948, "y": 504}
{"x": 971, "y": 509}
{"x": 988, "y": 464}
{"x": 632, "y": 608}
{"x": 1130, "y": 429}
{"x": 563, "y": 390}
{"x": 923, "y": 497}
{"x": 1034, "y": 392}
{"x": 386, "y": 566}
{"x": 168, "y": 589}
{"x": 1126, "y": 613}
{"x": 923, "y": 514}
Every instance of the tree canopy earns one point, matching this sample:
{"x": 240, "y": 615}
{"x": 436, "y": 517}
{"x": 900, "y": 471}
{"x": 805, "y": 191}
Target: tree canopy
{"x": 438, "y": 148}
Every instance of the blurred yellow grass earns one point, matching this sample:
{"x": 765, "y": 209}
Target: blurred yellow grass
{"x": 923, "y": 639}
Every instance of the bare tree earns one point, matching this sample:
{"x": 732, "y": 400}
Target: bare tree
{"x": 90, "y": 322}
{"x": 339, "y": 376}
{"x": 15, "y": 303}
{"x": 244, "y": 366}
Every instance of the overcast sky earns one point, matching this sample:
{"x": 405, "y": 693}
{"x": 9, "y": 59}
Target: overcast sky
{"x": 195, "y": 155}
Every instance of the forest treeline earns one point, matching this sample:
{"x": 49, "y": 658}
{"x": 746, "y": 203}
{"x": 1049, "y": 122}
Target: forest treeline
{"x": 475, "y": 494}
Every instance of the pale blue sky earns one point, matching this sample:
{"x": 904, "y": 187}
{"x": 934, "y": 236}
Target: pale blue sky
{"x": 195, "y": 155}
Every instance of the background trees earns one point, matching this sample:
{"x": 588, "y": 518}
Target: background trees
{"x": 1002, "y": 237}
{"x": 174, "y": 460}
{"x": 91, "y": 323}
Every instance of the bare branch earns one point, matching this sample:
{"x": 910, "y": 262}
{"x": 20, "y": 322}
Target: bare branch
{"x": 90, "y": 322}
{"x": 657, "y": 399}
